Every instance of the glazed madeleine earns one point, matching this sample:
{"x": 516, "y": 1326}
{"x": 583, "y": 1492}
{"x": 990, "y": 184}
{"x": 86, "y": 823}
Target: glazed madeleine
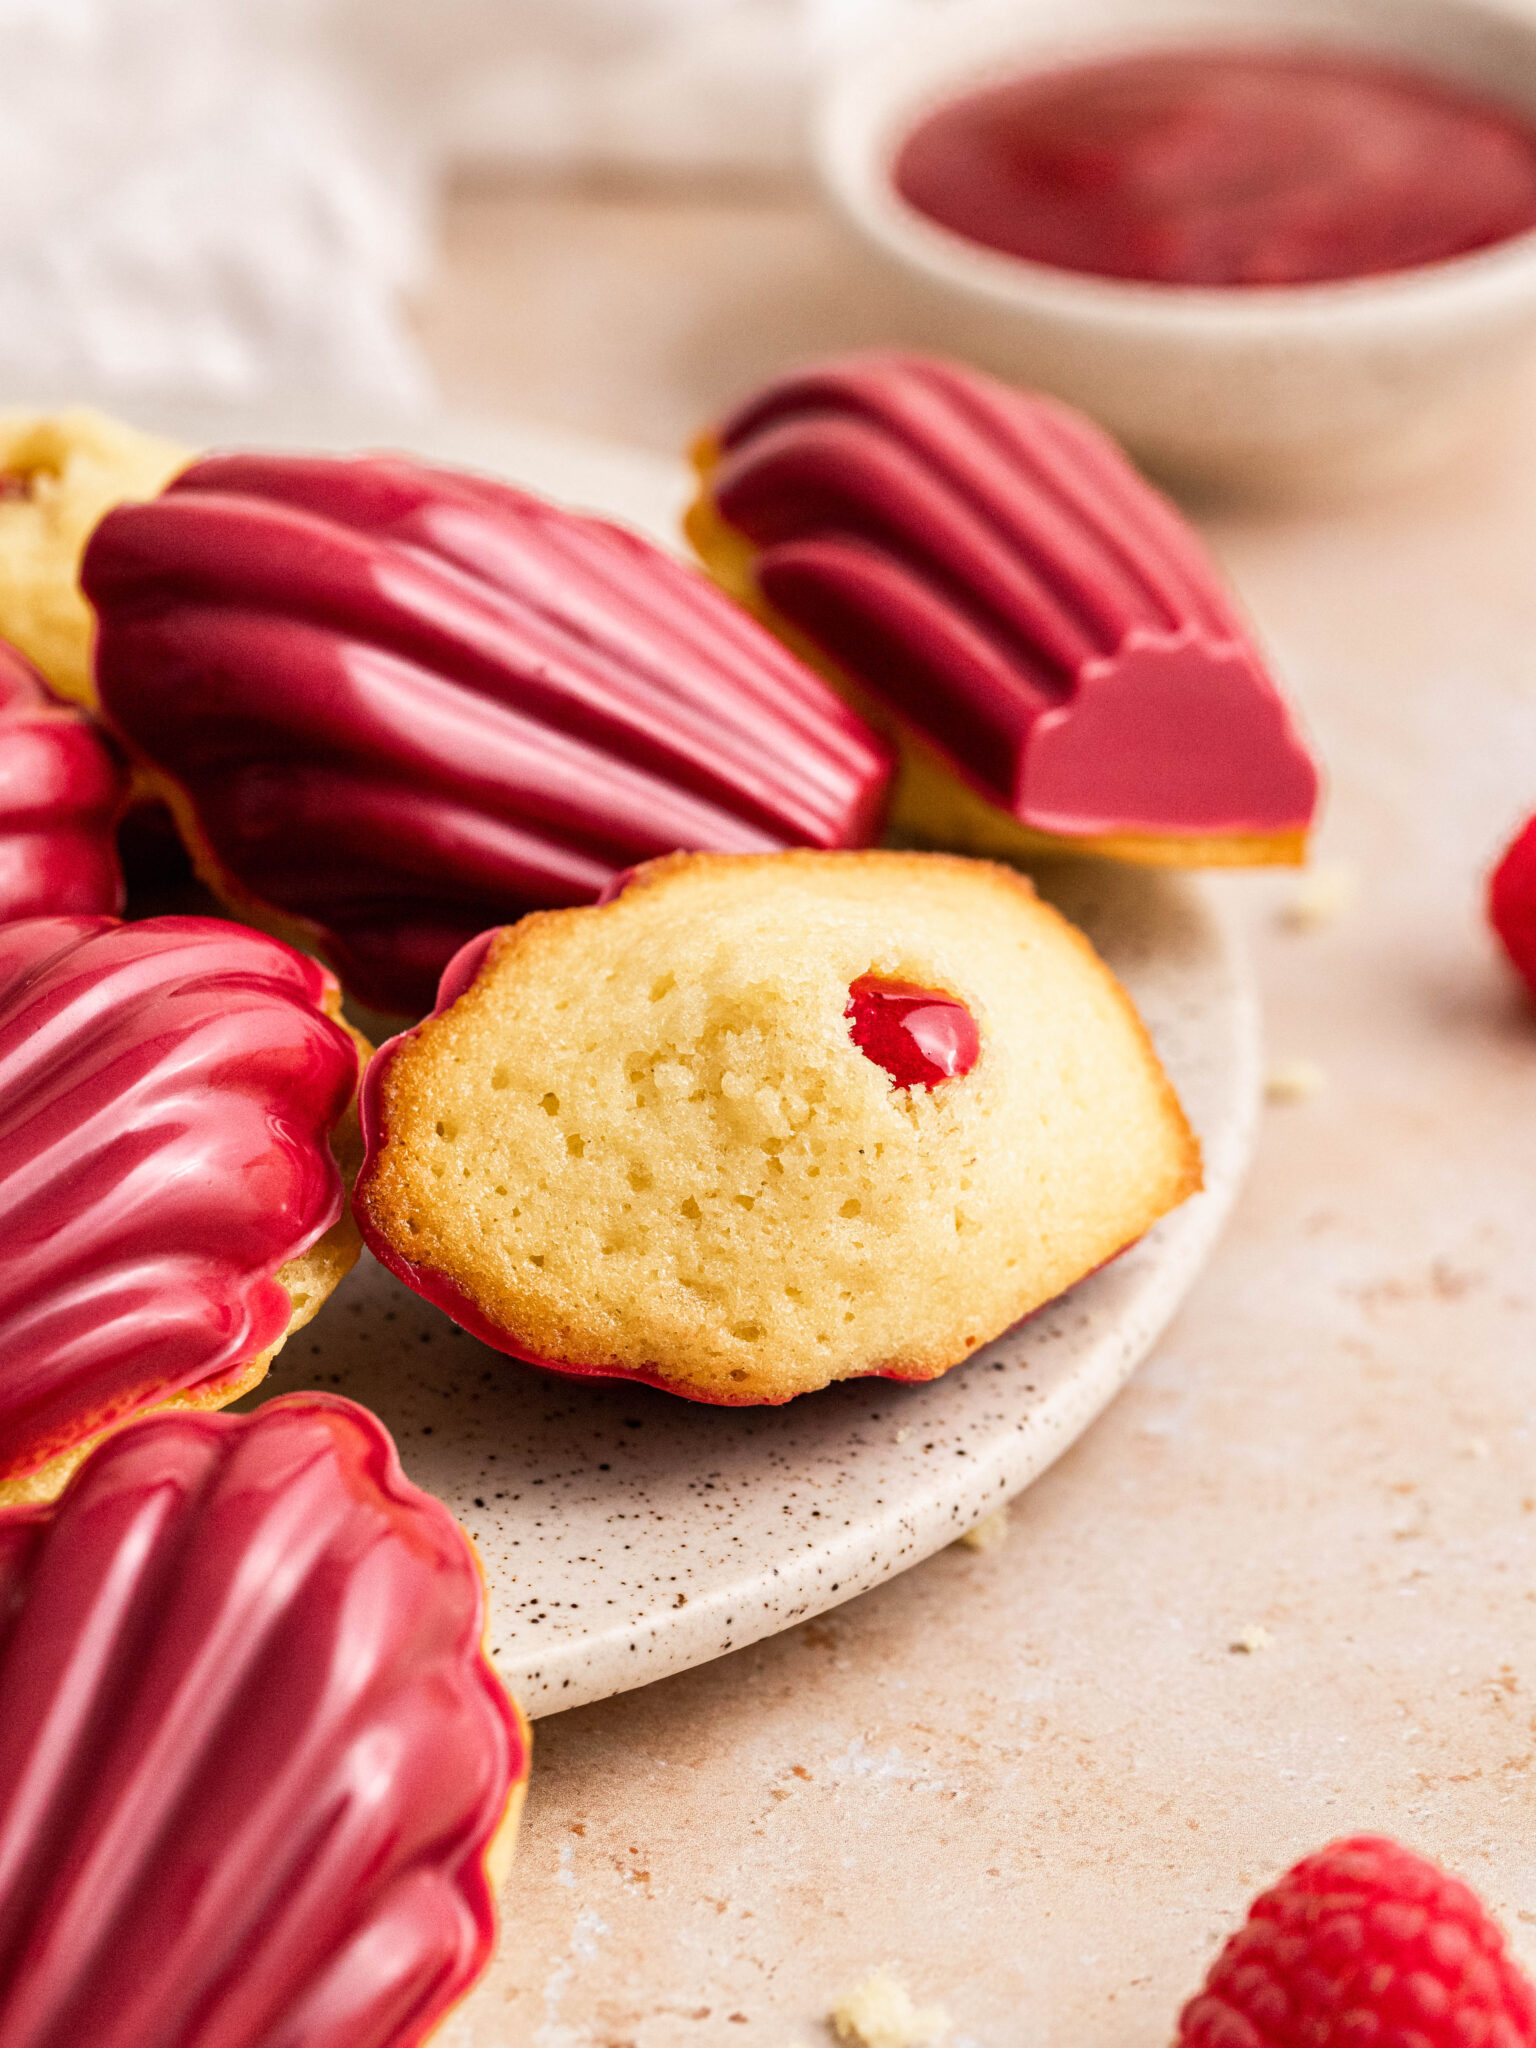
{"x": 175, "y": 1115}
{"x": 257, "y": 1778}
{"x": 982, "y": 568}
{"x": 62, "y": 792}
{"x": 392, "y": 705}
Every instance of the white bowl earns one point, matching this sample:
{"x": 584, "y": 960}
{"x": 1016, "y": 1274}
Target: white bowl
{"x": 1309, "y": 387}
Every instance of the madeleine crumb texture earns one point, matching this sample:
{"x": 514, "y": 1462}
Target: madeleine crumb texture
{"x": 879, "y": 2012}
{"x": 644, "y": 1140}
{"x": 59, "y": 473}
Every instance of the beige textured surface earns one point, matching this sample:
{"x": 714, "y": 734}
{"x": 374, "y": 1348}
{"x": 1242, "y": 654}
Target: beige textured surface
{"x": 1036, "y": 1782}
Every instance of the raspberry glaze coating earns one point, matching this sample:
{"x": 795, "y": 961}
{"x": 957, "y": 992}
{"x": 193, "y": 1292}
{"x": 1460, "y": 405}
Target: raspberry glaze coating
{"x": 1364, "y": 1945}
{"x": 168, "y": 1092}
{"x": 984, "y": 566}
{"x": 394, "y": 705}
{"x": 1512, "y": 902}
{"x": 62, "y": 790}
{"x": 253, "y": 1762}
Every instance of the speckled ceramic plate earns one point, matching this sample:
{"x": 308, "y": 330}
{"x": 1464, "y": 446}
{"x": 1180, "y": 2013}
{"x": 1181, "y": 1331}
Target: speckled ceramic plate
{"x": 627, "y": 1534}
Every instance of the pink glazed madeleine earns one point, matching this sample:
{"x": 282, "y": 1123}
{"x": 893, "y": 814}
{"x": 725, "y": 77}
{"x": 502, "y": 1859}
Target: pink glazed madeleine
{"x": 175, "y": 1120}
{"x": 981, "y": 569}
{"x": 760, "y": 1123}
{"x": 257, "y": 1778}
{"x": 391, "y": 705}
{"x": 62, "y": 791}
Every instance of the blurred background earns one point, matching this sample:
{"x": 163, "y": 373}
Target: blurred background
{"x": 536, "y": 205}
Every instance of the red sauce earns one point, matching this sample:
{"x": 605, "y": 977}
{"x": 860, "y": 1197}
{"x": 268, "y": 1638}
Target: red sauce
{"x": 1226, "y": 167}
{"x": 919, "y": 1035}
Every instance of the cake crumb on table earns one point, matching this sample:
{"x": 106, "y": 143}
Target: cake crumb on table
{"x": 987, "y": 1533}
{"x": 878, "y": 2013}
{"x": 1322, "y": 895}
{"x": 1251, "y": 1639}
{"x": 1294, "y": 1080}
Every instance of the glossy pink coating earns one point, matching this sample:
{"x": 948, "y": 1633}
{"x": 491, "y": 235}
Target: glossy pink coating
{"x": 251, "y": 1753}
{"x": 407, "y": 703}
{"x": 988, "y": 563}
{"x": 62, "y": 790}
{"x": 919, "y": 1035}
{"x": 460, "y": 975}
{"x": 167, "y": 1092}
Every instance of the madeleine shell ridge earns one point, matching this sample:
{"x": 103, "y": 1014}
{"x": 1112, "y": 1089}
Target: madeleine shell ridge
{"x": 391, "y": 704}
{"x": 981, "y": 569}
{"x": 173, "y": 1097}
{"x": 253, "y": 1762}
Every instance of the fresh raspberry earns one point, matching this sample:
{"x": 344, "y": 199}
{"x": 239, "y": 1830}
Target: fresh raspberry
{"x": 1364, "y": 1945}
{"x": 1512, "y": 902}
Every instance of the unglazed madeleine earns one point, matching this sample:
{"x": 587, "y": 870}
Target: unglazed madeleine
{"x": 62, "y": 791}
{"x": 391, "y": 705}
{"x": 257, "y": 1778}
{"x": 60, "y": 472}
{"x": 175, "y": 1115}
{"x": 761, "y": 1123}
{"x": 983, "y": 567}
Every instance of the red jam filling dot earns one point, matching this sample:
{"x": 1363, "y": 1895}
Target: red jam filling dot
{"x": 919, "y": 1035}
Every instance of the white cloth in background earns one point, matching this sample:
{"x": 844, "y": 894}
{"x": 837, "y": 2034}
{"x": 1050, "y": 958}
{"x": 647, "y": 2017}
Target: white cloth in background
{"x": 190, "y": 200}
{"x": 657, "y": 83}
{"x": 228, "y": 197}
{"x": 692, "y": 84}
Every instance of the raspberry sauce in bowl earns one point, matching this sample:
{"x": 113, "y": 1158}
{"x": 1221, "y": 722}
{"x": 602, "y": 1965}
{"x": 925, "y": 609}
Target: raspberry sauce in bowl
{"x": 1225, "y": 166}
{"x": 1312, "y": 371}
